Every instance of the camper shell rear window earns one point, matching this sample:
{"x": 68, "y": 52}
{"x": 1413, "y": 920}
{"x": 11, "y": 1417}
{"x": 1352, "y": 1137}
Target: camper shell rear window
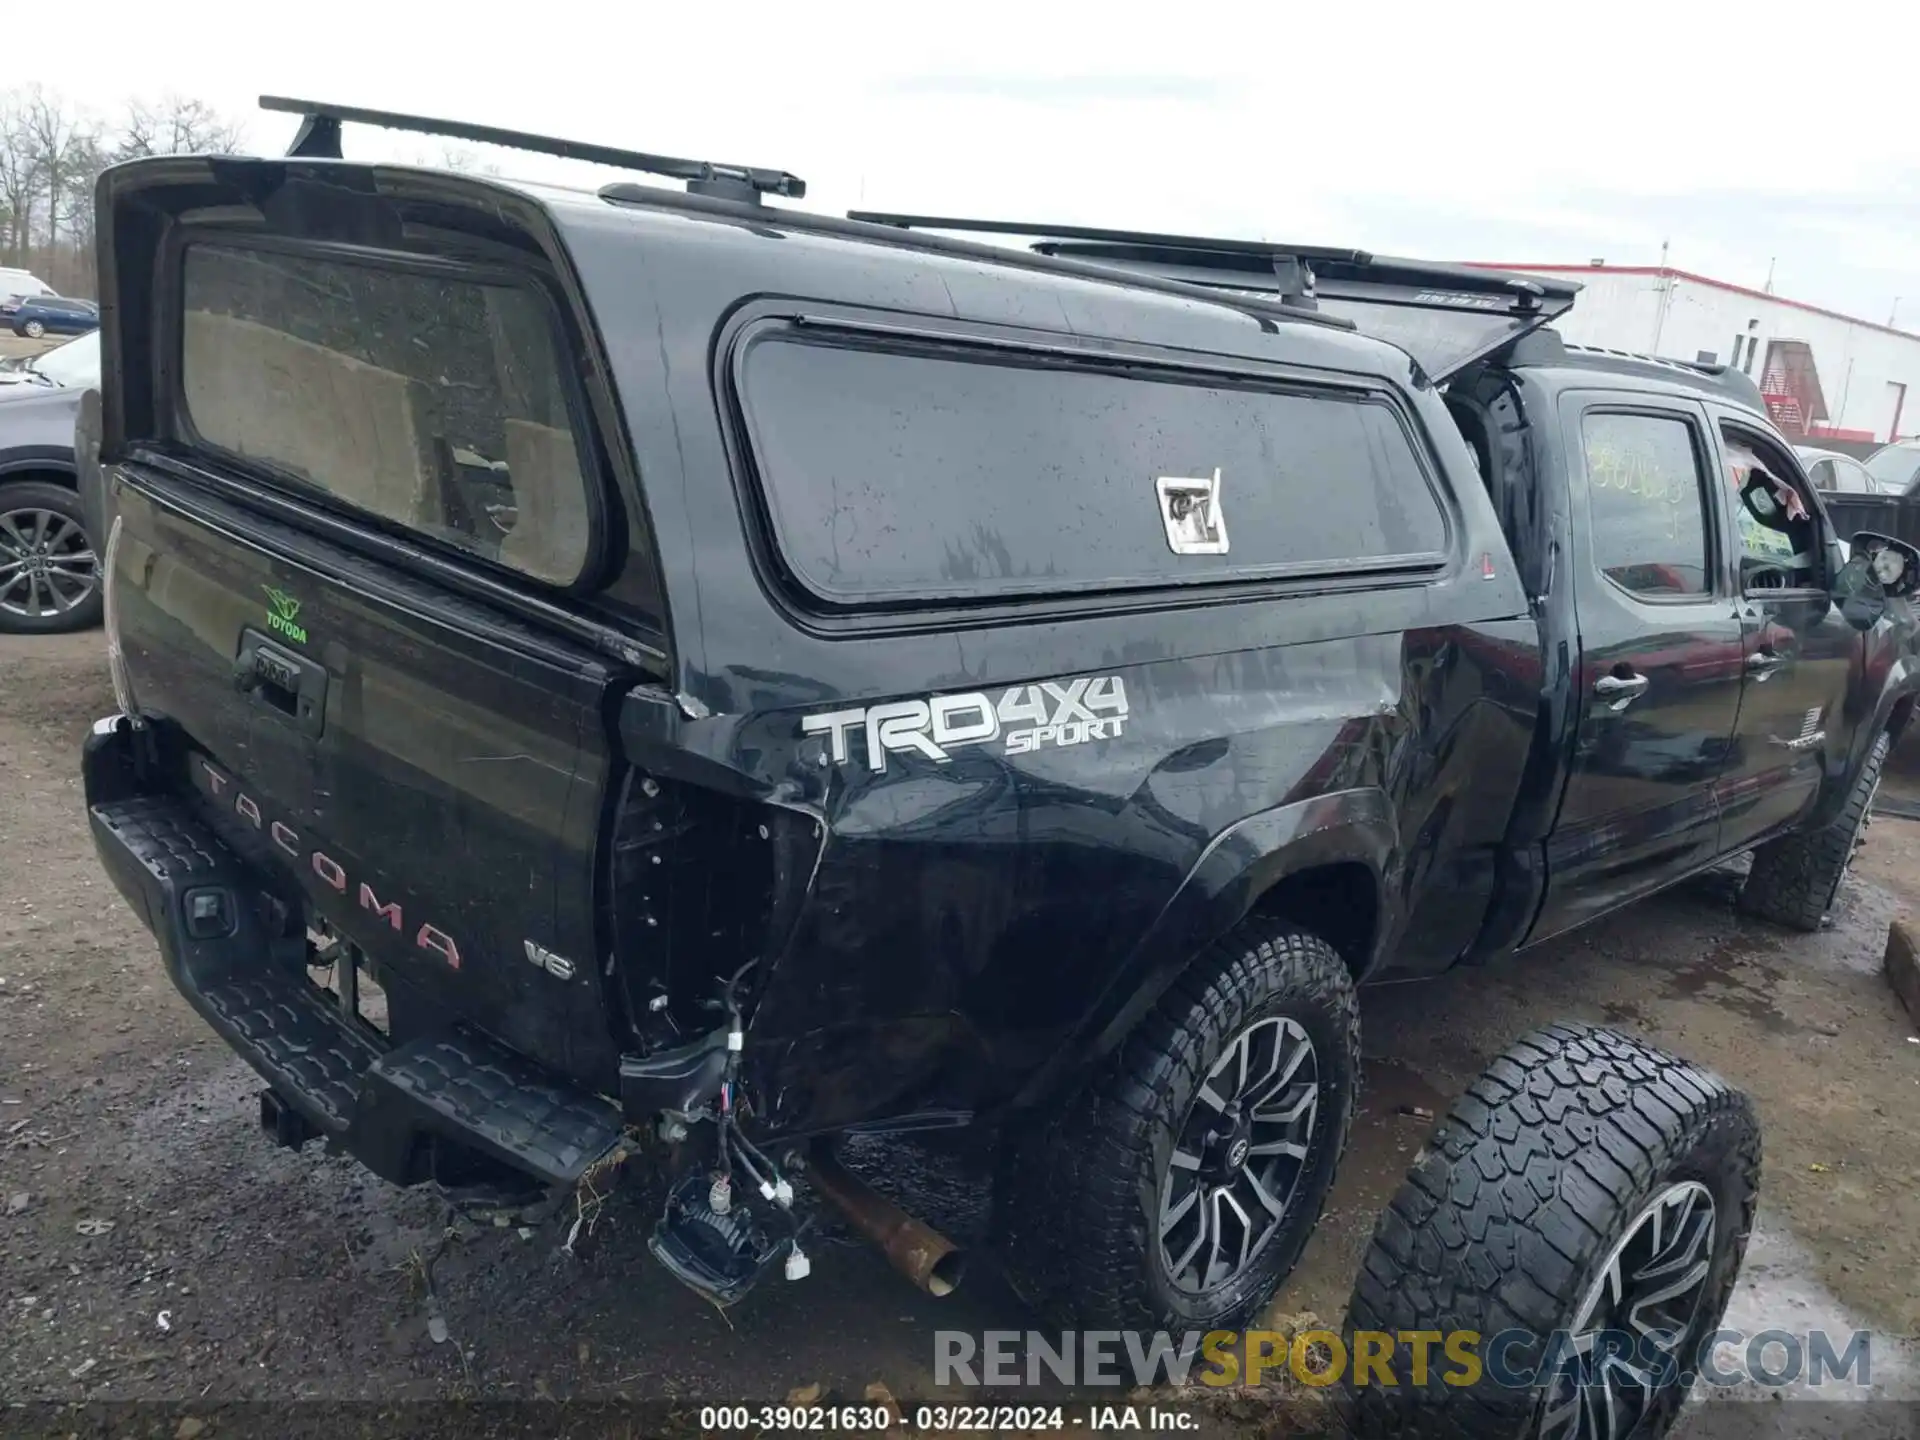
{"x": 893, "y": 473}
{"x": 431, "y": 396}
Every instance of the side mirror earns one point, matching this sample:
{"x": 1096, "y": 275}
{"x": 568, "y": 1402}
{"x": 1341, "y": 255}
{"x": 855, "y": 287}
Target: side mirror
{"x": 1878, "y": 569}
{"x": 1895, "y": 563}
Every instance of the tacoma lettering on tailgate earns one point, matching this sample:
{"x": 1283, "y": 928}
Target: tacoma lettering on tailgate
{"x": 331, "y": 873}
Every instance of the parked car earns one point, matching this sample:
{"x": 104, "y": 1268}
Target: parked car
{"x": 872, "y": 681}
{"x": 48, "y": 577}
{"x": 1838, "y": 474}
{"x": 1893, "y": 508}
{"x": 1896, "y": 467}
{"x": 37, "y": 315}
{"x": 21, "y": 282}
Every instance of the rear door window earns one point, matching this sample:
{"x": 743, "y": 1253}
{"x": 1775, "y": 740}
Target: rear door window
{"x": 430, "y": 399}
{"x": 1647, "y": 497}
{"x": 898, "y": 475}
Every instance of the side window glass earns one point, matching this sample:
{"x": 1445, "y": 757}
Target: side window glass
{"x": 1823, "y": 475}
{"x": 891, "y": 475}
{"x": 1778, "y": 544}
{"x": 1646, "y": 500}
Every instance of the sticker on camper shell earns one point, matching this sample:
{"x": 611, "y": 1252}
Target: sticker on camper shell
{"x": 1023, "y": 719}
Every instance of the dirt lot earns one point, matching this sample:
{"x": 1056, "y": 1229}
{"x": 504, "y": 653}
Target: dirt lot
{"x": 164, "y": 1250}
{"x": 11, "y": 344}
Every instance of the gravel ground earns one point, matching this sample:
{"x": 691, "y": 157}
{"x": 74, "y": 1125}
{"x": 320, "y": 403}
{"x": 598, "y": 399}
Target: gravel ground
{"x": 12, "y": 345}
{"x": 164, "y": 1251}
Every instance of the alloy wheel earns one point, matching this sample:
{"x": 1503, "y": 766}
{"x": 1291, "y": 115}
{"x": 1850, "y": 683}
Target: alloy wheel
{"x": 1240, "y": 1155}
{"x": 1645, "y": 1301}
{"x": 46, "y": 563}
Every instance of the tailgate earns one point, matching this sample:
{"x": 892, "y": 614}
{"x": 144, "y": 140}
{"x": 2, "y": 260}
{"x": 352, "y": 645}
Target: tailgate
{"x": 430, "y": 791}
{"x": 361, "y": 499}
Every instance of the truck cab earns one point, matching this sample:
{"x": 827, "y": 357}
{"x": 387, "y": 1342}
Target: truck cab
{"x": 1706, "y": 694}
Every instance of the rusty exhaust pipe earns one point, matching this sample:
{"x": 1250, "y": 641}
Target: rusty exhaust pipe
{"x": 914, "y": 1248}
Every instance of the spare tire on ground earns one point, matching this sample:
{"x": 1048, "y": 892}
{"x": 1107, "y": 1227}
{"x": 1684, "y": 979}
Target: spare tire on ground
{"x": 1583, "y": 1209}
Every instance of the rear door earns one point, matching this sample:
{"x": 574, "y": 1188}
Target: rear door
{"x": 1658, "y": 675}
{"x": 353, "y": 446}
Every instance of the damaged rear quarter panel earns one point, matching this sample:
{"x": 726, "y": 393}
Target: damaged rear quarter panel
{"x": 975, "y": 917}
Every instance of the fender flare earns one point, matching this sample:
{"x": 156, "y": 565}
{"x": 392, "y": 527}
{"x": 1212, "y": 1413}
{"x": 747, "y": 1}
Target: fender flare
{"x": 1901, "y": 684}
{"x": 1238, "y": 866}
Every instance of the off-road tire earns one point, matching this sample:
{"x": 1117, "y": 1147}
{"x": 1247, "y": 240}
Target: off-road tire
{"x": 1795, "y": 879}
{"x": 1514, "y": 1204}
{"x": 1078, "y": 1191}
{"x": 41, "y": 495}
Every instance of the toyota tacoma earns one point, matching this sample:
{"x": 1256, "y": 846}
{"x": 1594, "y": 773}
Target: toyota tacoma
{"x": 651, "y": 670}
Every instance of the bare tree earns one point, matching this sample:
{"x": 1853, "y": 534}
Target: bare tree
{"x": 65, "y": 146}
{"x": 176, "y": 125}
{"x": 19, "y": 181}
{"x": 465, "y": 160}
{"x": 51, "y": 156}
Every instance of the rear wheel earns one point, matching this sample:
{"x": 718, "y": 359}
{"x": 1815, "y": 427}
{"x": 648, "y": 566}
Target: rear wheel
{"x": 1177, "y": 1190}
{"x": 49, "y": 579}
{"x": 1583, "y": 1209}
{"x": 33, "y": 329}
{"x": 1795, "y": 879}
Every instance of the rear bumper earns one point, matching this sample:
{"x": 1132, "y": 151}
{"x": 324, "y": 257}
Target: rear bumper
{"x": 396, "y": 1108}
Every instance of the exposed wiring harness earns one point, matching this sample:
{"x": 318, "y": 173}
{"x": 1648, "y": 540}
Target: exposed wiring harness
{"x": 734, "y": 1147}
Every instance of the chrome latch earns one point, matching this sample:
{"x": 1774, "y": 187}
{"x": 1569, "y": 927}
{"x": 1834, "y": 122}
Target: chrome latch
{"x": 1190, "y": 509}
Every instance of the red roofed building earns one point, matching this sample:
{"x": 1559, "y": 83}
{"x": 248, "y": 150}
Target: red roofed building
{"x": 1825, "y": 376}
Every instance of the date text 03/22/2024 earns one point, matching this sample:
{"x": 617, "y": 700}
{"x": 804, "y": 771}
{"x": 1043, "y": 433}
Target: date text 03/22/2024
{"x": 956, "y": 1419}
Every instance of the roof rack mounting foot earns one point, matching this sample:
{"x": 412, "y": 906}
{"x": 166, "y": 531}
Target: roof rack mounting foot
{"x": 1294, "y": 277}
{"x": 317, "y": 139}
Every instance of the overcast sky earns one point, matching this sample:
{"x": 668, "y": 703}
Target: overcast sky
{"x": 1740, "y": 136}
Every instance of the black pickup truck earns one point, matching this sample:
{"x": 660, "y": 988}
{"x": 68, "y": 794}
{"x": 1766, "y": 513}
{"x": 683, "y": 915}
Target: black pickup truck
{"x": 731, "y": 677}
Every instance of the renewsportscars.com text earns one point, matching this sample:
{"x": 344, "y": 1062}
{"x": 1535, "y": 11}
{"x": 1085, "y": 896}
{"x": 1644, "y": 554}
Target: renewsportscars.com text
{"x": 1516, "y": 1359}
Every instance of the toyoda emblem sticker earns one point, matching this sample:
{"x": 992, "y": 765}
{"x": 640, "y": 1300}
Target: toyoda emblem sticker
{"x": 1024, "y": 718}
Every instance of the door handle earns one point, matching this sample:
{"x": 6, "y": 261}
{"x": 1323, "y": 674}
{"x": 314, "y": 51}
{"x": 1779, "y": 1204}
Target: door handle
{"x": 291, "y": 685}
{"x": 1762, "y": 663}
{"x": 1622, "y": 690}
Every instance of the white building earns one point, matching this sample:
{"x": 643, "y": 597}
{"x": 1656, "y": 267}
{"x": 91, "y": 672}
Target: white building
{"x": 1823, "y": 374}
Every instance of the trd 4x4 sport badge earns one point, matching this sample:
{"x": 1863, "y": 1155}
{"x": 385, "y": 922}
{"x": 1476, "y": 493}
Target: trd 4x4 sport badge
{"x": 1025, "y": 718}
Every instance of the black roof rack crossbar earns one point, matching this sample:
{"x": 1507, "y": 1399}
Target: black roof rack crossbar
{"x": 1191, "y": 243}
{"x": 319, "y": 137}
{"x": 1248, "y": 258}
{"x": 1443, "y": 316}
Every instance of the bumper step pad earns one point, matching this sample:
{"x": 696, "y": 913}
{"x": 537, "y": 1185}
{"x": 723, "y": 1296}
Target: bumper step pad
{"x": 378, "y": 1103}
{"x": 471, "y": 1090}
